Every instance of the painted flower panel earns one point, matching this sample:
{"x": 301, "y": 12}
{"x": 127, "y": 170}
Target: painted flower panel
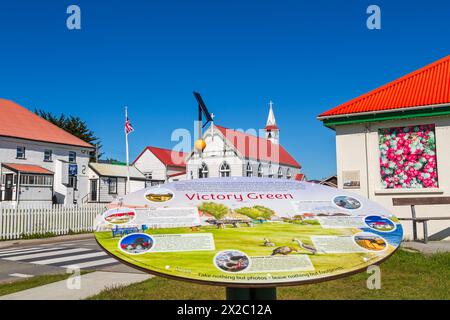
{"x": 408, "y": 157}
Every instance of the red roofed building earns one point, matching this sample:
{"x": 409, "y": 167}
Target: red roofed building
{"x": 394, "y": 141}
{"x": 161, "y": 165}
{"x": 39, "y": 162}
{"x": 234, "y": 153}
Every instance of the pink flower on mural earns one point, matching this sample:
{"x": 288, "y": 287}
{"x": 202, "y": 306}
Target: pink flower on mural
{"x": 408, "y": 157}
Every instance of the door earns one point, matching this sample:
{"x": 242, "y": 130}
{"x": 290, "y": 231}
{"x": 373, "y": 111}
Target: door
{"x": 94, "y": 190}
{"x": 9, "y": 179}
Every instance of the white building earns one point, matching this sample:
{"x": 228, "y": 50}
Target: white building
{"x": 394, "y": 142}
{"x": 161, "y": 165}
{"x": 234, "y": 153}
{"x": 40, "y": 162}
{"x": 108, "y": 182}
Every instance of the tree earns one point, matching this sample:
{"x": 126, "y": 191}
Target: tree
{"x": 217, "y": 210}
{"x": 74, "y": 125}
{"x": 256, "y": 212}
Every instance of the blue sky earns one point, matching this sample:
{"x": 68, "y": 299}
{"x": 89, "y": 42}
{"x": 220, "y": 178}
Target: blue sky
{"x": 307, "y": 56}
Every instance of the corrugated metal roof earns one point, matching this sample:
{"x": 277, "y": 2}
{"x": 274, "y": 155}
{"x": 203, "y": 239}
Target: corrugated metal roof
{"x": 113, "y": 170}
{"x": 253, "y": 147}
{"x": 427, "y": 86}
{"x": 26, "y": 168}
{"x": 168, "y": 157}
{"x": 18, "y": 122}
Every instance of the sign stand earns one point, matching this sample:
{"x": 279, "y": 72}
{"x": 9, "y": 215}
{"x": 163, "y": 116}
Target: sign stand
{"x": 251, "y": 293}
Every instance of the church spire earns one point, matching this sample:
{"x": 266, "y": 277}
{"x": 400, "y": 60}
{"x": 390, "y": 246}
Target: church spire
{"x": 271, "y": 122}
{"x": 272, "y": 131}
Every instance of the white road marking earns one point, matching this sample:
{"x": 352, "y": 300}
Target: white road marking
{"x": 92, "y": 263}
{"x": 46, "y": 254}
{"x": 70, "y": 258}
{"x": 21, "y": 275}
{"x": 18, "y": 252}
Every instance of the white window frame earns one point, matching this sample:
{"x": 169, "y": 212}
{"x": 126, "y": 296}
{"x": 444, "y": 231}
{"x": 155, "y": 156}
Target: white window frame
{"x": 50, "y": 153}
{"x": 270, "y": 171}
{"x": 203, "y": 171}
{"x": 249, "y": 170}
{"x": 260, "y": 170}
{"x": 73, "y": 155}
{"x": 22, "y": 151}
{"x": 224, "y": 170}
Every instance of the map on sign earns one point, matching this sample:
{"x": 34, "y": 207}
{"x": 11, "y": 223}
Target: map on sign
{"x": 248, "y": 231}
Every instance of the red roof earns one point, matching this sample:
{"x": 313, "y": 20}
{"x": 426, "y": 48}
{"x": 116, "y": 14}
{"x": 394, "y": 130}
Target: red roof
{"x": 177, "y": 174}
{"x": 169, "y": 157}
{"x": 18, "y": 122}
{"x": 427, "y": 86}
{"x": 26, "y": 168}
{"x": 272, "y": 127}
{"x": 253, "y": 147}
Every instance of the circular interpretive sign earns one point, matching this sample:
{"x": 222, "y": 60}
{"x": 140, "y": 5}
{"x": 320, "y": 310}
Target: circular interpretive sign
{"x": 248, "y": 232}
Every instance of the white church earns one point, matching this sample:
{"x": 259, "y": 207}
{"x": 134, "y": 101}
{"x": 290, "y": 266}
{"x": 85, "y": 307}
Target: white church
{"x": 228, "y": 153}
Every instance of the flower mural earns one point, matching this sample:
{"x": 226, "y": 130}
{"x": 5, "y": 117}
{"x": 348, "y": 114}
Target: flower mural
{"x": 408, "y": 157}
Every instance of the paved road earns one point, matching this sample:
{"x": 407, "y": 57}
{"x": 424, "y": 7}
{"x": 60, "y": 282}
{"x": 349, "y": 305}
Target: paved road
{"x": 27, "y": 261}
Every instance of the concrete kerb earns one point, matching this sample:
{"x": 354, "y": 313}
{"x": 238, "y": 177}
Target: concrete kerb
{"x": 32, "y": 242}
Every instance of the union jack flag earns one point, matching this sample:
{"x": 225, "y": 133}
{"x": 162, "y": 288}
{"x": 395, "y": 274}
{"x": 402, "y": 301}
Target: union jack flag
{"x": 128, "y": 127}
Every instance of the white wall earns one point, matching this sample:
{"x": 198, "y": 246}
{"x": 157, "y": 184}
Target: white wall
{"x": 351, "y": 155}
{"x": 34, "y": 155}
{"x": 148, "y": 162}
{"x": 217, "y": 151}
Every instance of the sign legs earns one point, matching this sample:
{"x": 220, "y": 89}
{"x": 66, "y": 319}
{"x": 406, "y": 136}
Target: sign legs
{"x": 251, "y": 293}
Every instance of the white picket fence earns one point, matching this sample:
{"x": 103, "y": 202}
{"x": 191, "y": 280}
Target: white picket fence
{"x": 18, "y": 221}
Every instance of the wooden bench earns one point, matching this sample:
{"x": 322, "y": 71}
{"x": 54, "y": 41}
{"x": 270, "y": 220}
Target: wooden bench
{"x": 413, "y": 202}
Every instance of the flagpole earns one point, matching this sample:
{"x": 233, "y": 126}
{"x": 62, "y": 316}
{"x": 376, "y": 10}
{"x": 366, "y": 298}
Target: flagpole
{"x": 127, "y": 189}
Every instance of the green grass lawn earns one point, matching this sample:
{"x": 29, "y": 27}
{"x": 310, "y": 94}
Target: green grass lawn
{"x": 405, "y": 275}
{"x": 37, "y": 281}
{"x": 20, "y": 285}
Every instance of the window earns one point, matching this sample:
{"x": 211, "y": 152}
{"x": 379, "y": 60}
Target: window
{"x": 203, "y": 171}
{"x": 48, "y": 155}
{"x": 224, "y": 170}
{"x": 260, "y": 170}
{"x": 20, "y": 153}
{"x": 249, "y": 170}
{"x": 148, "y": 175}
{"x": 72, "y": 156}
{"x": 288, "y": 174}
{"x": 112, "y": 185}
{"x": 270, "y": 175}
{"x": 280, "y": 173}
{"x": 35, "y": 180}
{"x": 408, "y": 157}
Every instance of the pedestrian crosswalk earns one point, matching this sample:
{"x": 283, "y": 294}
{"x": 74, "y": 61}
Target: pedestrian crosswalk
{"x": 63, "y": 256}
